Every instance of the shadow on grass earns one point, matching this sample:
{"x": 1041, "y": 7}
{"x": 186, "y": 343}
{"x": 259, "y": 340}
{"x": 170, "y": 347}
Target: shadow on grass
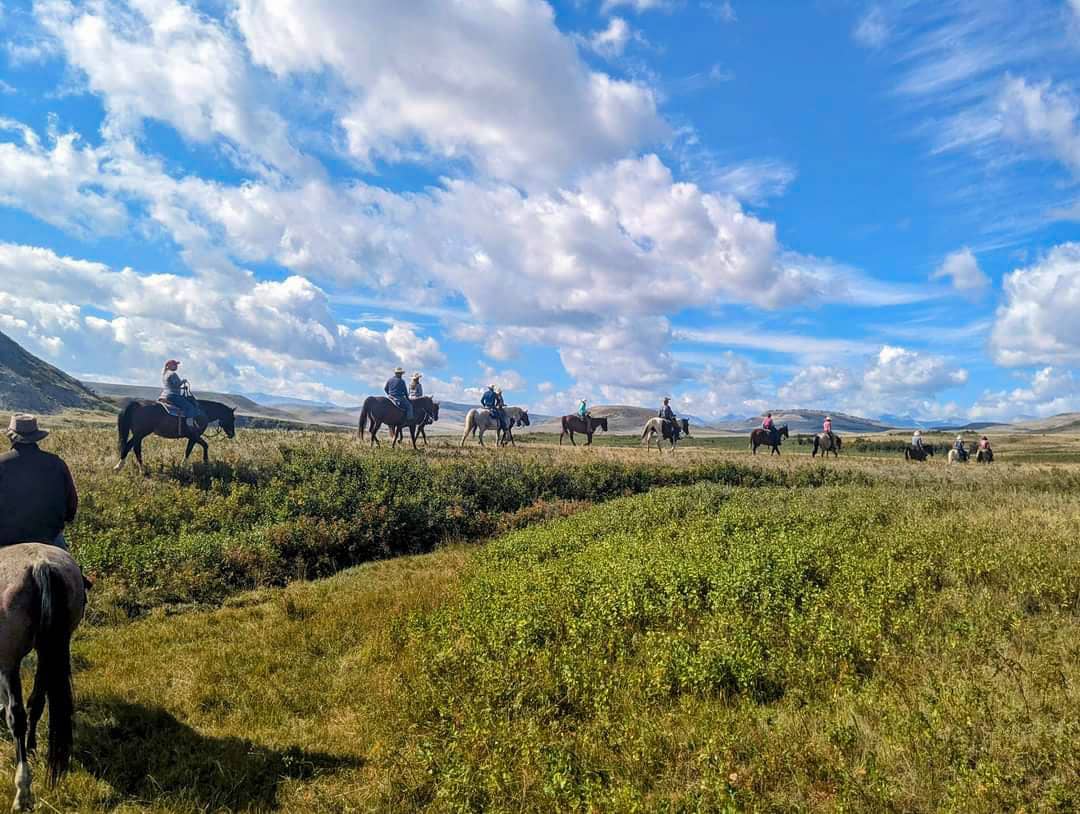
{"x": 146, "y": 754}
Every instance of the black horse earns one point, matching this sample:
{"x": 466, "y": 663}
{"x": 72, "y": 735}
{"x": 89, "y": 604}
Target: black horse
{"x": 918, "y": 453}
{"x": 379, "y": 410}
{"x": 760, "y": 438}
{"x": 142, "y": 418}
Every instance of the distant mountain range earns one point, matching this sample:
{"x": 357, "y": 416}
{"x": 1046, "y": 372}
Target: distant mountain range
{"x": 29, "y": 384}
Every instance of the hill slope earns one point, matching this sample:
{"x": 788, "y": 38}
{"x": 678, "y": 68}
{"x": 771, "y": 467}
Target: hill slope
{"x": 32, "y": 385}
{"x": 811, "y": 420}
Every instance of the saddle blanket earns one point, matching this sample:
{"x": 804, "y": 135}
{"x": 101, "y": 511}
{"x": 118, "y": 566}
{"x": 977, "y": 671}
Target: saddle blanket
{"x": 171, "y": 409}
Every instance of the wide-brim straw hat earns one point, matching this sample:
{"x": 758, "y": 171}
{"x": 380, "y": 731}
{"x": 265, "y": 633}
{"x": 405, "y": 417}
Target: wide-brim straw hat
{"x": 398, "y": 371}
{"x": 418, "y": 375}
{"x": 23, "y": 429}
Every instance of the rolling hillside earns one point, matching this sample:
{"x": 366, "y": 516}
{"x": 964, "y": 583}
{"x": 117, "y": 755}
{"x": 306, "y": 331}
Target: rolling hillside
{"x": 807, "y": 421}
{"x": 29, "y": 384}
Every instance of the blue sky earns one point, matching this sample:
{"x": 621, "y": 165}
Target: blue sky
{"x": 860, "y": 207}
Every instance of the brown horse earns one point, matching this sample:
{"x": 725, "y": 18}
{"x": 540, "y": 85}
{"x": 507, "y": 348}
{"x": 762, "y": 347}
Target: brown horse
{"x": 826, "y": 443}
{"x": 760, "y": 438}
{"x": 42, "y": 599}
{"x": 379, "y": 410}
{"x": 586, "y": 426}
{"x": 142, "y": 418}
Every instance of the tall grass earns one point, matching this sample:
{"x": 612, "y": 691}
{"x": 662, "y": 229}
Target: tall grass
{"x": 283, "y": 506}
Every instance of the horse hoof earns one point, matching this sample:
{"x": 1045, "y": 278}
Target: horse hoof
{"x": 119, "y": 466}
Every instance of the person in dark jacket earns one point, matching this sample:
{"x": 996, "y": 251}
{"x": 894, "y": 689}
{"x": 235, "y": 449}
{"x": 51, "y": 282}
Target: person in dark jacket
{"x": 668, "y": 414}
{"x": 37, "y": 493}
{"x": 398, "y": 392}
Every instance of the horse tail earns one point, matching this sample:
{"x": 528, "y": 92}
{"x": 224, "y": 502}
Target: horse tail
{"x": 365, "y": 414}
{"x": 123, "y": 425}
{"x": 470, "y": 425}
{"x": 54, "y": 664}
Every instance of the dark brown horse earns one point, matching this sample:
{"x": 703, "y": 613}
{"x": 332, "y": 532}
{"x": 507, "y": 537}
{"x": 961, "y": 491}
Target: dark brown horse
{"x": 760, "y": 438}
{"x": 587, "y": 426}
{"x": 42, "y": 599}
{"x": 918, "y": 453}
{"x": 826, "y": 443}
{"x": 379, "y": 410}
{"x": 142, "y": 418}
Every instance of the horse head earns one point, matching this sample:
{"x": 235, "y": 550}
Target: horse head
{"x": 229, "y": 424}
{"x": 434, "y": 410}
{"x": 783, "y": 432}
{"x": 602, "y": 423}
{"x": 685, "y": 422}
{"x": 523, "y": 421}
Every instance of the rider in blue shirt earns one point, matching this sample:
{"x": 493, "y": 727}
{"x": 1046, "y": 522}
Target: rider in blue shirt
{"x": 398, "y": 392}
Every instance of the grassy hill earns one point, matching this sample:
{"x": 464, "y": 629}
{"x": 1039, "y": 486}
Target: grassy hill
{"x": 778, "y": 641}
{"x": 807, "y": 421}
{"x": 29, "y": 384}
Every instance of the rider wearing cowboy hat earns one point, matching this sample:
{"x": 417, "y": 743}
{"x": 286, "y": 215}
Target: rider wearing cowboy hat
{"x": 416, "y": 390}
{"x": 398, "y": 392}
{"x": 174, "y": 391}
{"x": 668, "y": 414}
{"x": 37, "y": 493}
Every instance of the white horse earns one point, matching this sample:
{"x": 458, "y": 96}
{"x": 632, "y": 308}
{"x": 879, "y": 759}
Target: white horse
{"x": 663, "y": 430}
{"x": 954, "y": 457}
{"x": 479, "y": 418}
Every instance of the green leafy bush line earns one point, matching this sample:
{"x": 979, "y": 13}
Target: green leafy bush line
{"x": 660, "y": 653}
{"x": 196, "y": 534}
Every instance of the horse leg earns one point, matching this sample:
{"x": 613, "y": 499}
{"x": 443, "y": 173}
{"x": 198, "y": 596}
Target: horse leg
{"x": 137, "y": 446}
{"x": 205, "y": 450}
{"x": 36, "y": 708}
{"x": 480, "y": 435}
{"x": 190, "y": 447}
{"x": 16, "y": 721}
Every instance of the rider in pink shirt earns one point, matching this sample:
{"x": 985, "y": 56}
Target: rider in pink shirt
{"x": 827, "y": 426}
{"x": 767, "y": 424}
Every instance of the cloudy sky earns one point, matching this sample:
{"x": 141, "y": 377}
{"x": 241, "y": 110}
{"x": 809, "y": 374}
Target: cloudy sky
{"x": 866, "y": 207}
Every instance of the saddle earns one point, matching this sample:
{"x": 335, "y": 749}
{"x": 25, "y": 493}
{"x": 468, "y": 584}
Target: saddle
{"x": 171, "y": 409}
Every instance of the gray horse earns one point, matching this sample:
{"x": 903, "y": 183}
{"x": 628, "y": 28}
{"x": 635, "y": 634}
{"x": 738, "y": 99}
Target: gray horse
{"x": 42, "y": 599}
{"x": 479, "y": 420}
{"x": 826, "y": 443}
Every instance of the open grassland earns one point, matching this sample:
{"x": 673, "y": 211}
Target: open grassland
{"x": 867, "y": 635}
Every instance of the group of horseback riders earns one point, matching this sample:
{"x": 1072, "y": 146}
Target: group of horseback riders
{"x": 983, "y": 448}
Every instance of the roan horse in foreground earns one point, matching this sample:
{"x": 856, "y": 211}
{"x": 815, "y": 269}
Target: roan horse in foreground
{"x": 760, "y": 438}
{"x": 142, "y": 418}
{"x": 587, "y": 426}
{"x": 663, "y": 430}
{"x": 42, "y": 599}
